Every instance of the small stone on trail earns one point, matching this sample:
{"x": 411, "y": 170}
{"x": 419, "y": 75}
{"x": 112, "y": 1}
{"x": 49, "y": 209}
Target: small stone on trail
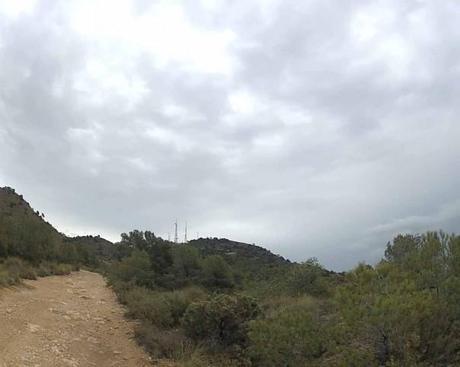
{"x": 33, "y": 328}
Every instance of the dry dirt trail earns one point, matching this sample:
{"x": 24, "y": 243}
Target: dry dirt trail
{"x": 66, "y": 321}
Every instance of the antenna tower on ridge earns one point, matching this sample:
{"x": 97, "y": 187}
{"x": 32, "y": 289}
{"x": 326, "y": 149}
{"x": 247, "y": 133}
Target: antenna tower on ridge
{"x": 176, "y": 239}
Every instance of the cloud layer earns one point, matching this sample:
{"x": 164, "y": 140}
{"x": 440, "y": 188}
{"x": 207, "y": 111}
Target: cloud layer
{"x": 316, "y": 128}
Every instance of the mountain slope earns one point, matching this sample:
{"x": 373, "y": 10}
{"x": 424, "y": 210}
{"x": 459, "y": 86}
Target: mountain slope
{"x": 25, "y": 233}
{"x": 250, "y": 259}
{"x": 231, "y": 249}
{"x": 96, "y": 248}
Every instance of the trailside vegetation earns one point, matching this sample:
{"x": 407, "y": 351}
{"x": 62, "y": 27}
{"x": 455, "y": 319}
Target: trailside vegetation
{"x": 204, "y": 305}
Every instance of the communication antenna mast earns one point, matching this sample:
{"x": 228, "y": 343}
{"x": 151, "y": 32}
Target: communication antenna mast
{"x": 185, "y": 234}
{"x": 176, "y": 239}
{"x": 169, "y": 236}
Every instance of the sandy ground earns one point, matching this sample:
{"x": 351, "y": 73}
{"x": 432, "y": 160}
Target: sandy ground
{"x": 66, "y": 321}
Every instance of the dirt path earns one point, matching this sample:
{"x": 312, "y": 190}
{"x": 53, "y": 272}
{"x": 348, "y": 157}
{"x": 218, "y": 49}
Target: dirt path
{"x": 66, "y": 321}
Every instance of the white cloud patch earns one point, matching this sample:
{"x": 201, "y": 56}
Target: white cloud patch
{"x": 169, "y": 138}
{"x": 16, "y": 8}
{"x": 242, "y": 102}
{"x": 162, "y": 30}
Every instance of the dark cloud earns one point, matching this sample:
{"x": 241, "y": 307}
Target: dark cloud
{"x": 318, "y": 128}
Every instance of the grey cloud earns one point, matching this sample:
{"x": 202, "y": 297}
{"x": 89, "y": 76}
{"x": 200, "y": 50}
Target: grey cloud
{"x": 342, "y": 143}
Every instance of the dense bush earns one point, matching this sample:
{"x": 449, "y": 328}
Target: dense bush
{"x": 18, "y": 269}
{"x": 405, "y": 310}
{"x": 12, "y": 270}
{"x": 222, "y": 320}
{"x": 47, "y": 268}
{"x": 6, "y": 279}
{"x": 201, "y": 357}
{"x": 307, "y": 278}
{"x": 135, "y": 269}
{"x": 161, "y": 343}
{"x": 291, "y": 336}
{"x": 186, "y": 265}
{"x": 161, "y": 308}
{"x": 217, "y": 274}
{"x": 145, "y": 304}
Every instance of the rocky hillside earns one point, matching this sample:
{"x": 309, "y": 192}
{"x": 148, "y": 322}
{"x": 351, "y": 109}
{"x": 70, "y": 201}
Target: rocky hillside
{"x": 242, "y": 256}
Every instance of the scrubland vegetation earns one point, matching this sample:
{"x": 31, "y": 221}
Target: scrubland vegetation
{"x": 212, "y": 310}
{"x": 215, "y": 302}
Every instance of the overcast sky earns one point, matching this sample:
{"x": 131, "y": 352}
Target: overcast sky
{"x": 314, "y": 128}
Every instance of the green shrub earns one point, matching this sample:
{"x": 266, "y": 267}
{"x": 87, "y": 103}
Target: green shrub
{"x": 186, "y": 263}
{"x": 62, "y": 269}
{"x": 13, "y": 269}
{"x": 135, "y": 268}
{"x": 307, "y": 278}
{"x": 217, "y": 274}
{"x": 162, "y": 309}
{"x": 289, "y": 338}
{"x": 202, "y": 358}
{"x": 44, "y": 270}
{"x": 145, "y": 304}
{"x": 6, "y": 278}
{"x": 162, "y": 343}
{"x": 18, "y": 269}
{"x": 47, "y": 268}
{"x": 222, "y": 320}
{"x": 179, "y": 300}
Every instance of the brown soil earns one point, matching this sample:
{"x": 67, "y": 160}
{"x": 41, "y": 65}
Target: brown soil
{"x": 66, "y": 321}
